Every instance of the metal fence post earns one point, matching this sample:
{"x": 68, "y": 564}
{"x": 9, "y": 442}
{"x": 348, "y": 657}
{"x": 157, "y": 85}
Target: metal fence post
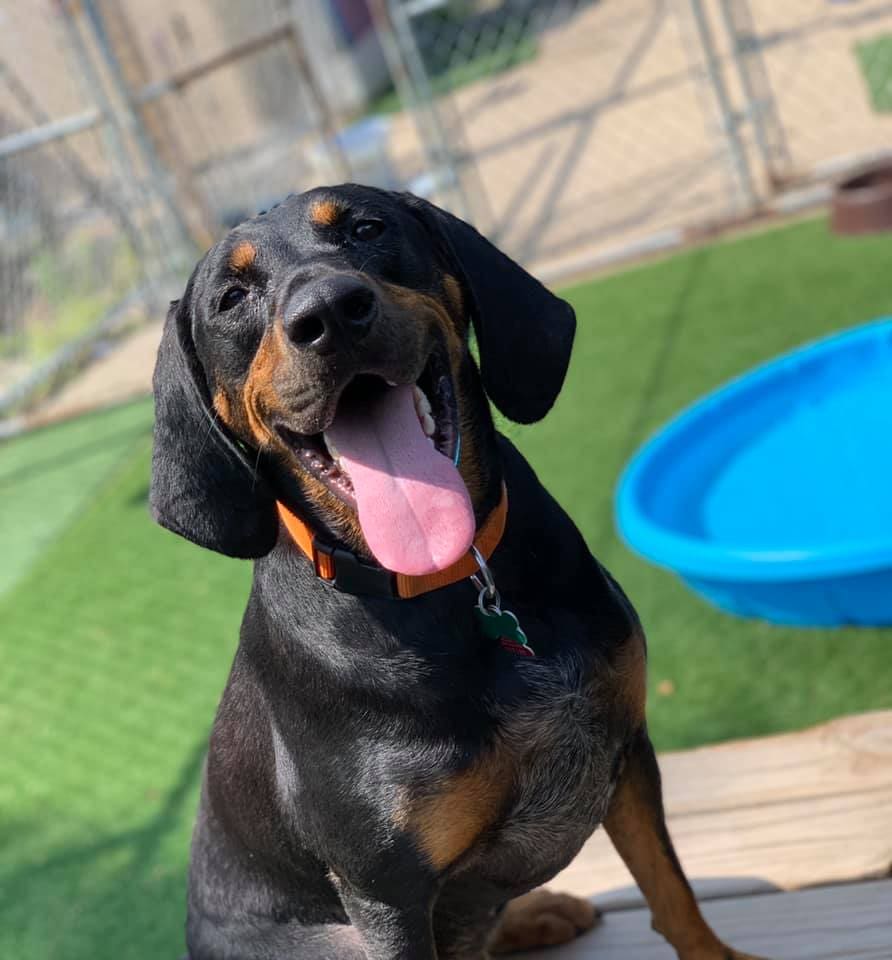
{"x": 125, "y": 115}
{"x": 413, "y": 86}
{"x": 769, "y": 132}
{"x": 133, "y": 195}
{"x": 70, "y": 159}
{"x": 737, "y": 156}
{"x": 325, "y": 120}
{"x": 120, "y": 47}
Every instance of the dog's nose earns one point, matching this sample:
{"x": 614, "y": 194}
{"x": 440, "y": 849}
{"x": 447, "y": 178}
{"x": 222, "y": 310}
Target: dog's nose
{"x": 330, "y": 312}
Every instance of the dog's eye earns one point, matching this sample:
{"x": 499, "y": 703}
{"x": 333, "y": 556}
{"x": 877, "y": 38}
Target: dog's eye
{"x": 367, "y": 229}
{"x": 232, "y": 298}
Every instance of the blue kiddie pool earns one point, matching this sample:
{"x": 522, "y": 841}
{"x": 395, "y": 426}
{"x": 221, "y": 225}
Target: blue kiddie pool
{"x": 772, "y": 497}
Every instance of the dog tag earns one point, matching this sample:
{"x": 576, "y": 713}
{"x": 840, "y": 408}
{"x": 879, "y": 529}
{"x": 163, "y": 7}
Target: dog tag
{"x": 503, "y": 626}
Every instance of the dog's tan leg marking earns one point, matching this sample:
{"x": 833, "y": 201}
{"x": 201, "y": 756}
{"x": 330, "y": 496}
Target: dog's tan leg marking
{"x": 637, "y": 827}
{"x": 542, "y": 919}
{"x": 630, "y": 677}
{"x": 446, "y": 823}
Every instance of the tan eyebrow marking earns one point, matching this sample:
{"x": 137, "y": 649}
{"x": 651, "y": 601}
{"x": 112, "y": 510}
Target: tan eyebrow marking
{"x": 326, "y": 213}
{"x": 243, "y": 256}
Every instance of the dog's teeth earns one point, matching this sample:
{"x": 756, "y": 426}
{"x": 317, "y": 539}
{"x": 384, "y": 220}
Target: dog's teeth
{"x": 391, "y": 383}
{"x": 333, "y": 451}
{"x": 424, "y": 411}
{"x": 422, "y": 404}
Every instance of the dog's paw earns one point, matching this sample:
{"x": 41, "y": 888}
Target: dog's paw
{"x": 542, "y": 919}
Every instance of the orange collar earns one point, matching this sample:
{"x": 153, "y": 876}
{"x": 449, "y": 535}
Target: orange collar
{"x": 348, "y": 573}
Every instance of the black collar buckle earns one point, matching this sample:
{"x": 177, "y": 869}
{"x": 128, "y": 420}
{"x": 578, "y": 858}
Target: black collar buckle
{"x": 354, "y": 576}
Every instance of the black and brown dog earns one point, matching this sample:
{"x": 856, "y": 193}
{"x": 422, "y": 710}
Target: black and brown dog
{"x": 387, "y": 779}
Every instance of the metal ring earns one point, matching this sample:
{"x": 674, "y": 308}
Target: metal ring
{"x": 493, "y": 604}
{"x": 488, "y": 583}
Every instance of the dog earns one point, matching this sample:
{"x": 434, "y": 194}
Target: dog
{"x": 438, "y": 693}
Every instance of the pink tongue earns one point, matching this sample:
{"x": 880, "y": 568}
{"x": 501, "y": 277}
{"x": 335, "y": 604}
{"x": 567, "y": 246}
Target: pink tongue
{"x": 413, "y": 506}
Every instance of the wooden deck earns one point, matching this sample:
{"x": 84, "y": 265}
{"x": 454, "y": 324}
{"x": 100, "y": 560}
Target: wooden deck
{"x": 788, "y": 838}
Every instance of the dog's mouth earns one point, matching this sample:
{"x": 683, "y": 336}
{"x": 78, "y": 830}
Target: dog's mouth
{"x": 433, "y": 397}
{"x": 391, "y": 454}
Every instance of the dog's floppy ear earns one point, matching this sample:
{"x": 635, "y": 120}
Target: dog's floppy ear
{"x": 203, "y": 486}
{"x": 524, "y": 332}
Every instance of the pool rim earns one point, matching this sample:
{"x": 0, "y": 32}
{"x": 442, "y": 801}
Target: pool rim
{"x": 694, "y": 557}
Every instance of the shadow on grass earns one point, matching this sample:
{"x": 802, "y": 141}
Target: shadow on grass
{"x": 121, "y": 897}
{"x": 587, "y": 121}
{"x": 140, "y": 498}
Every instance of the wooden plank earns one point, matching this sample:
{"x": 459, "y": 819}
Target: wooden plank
{"x": 780, "y": 812}
{"x": 850, "y": 922}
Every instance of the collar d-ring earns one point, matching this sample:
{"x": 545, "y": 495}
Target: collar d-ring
{"x": 485, "y": 582}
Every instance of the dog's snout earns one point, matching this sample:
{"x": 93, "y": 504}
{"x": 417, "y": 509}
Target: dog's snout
{"x": 330, "y": 312}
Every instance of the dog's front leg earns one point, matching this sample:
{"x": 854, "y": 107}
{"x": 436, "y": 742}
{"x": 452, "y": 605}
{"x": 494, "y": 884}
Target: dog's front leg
{"x": 637, "y": 827}
{"x": 393, "y": 932}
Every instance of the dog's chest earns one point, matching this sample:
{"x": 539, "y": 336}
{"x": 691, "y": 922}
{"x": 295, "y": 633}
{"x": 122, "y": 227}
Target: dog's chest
{"x": 561, "y": 760}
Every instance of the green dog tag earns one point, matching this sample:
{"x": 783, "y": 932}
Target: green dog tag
{"x": 503, "y": 626}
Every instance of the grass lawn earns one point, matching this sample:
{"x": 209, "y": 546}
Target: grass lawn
{"x": 48, "y": 476}
{"x": 116, "y": 643}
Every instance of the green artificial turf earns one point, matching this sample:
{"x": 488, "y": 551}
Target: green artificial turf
{"x": 48, "y": 475}
{"x": 116, "y": 643}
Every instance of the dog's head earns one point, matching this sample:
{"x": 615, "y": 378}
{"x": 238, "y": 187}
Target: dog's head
{"x": 320, "y": 356}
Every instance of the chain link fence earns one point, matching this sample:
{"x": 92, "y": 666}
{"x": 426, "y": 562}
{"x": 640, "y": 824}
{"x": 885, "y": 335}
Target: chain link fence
{"x": 85, "y": 234}
{"x": 829, "y": 65}
{"x": 581, "y": 122}
{"x": 597, "y": 129}
{"x": 575, "y": 132}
